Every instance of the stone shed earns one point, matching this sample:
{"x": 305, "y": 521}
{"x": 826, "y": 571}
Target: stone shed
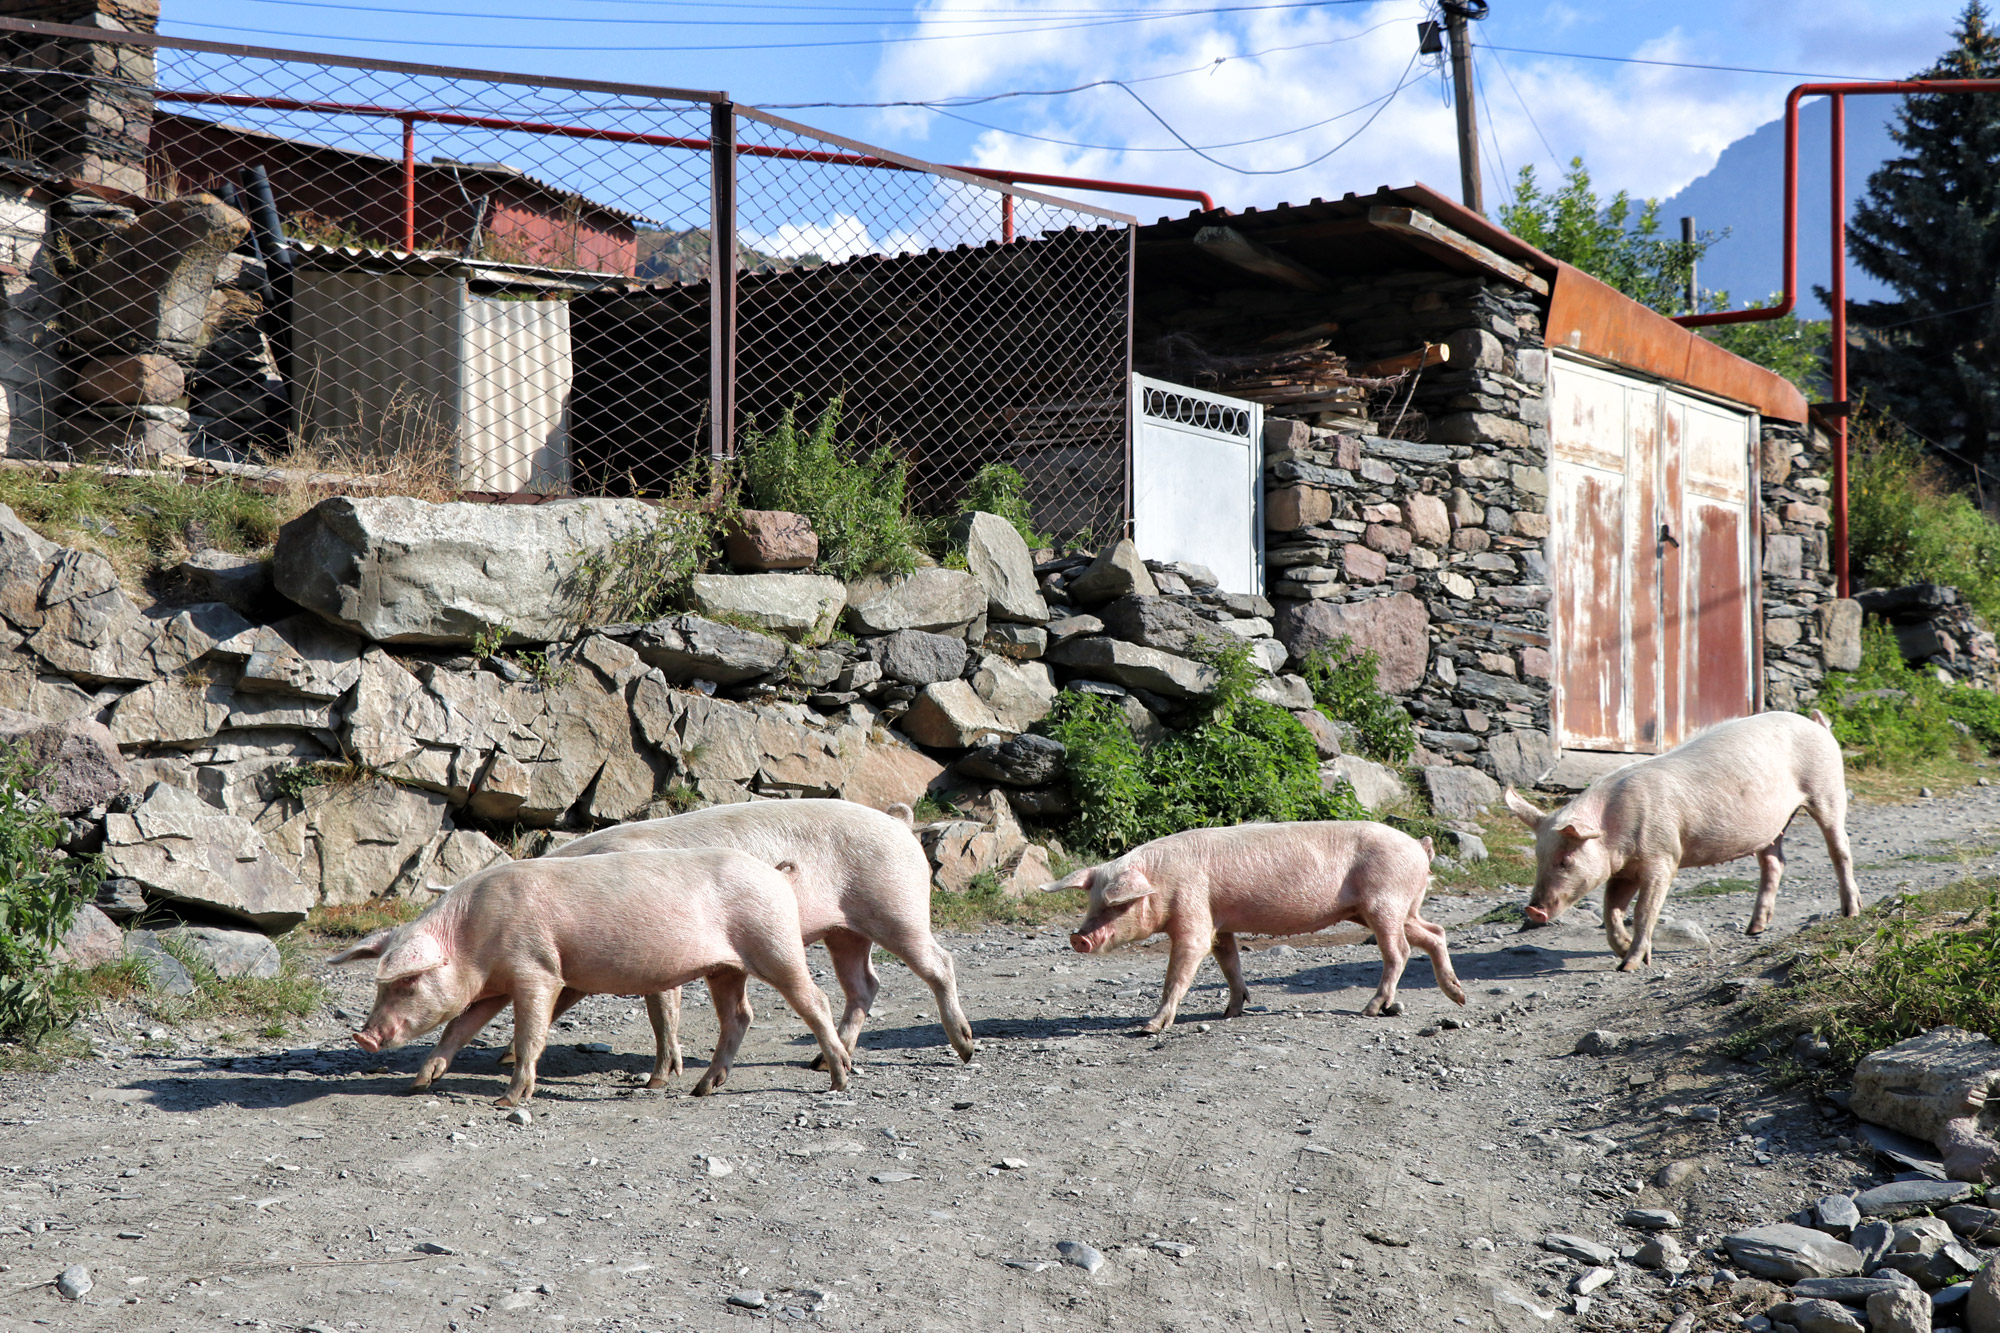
{"x": 1572, "y": 528}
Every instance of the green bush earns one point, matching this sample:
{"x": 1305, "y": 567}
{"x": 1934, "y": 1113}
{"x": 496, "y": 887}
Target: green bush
{"x": 40, "y": 891}
{"x": 1892, "y": 715}
{"x": 1001, "y": 490}
{"x": 1241, "y": 761}
{"x": 645, "y": 574}
{"x": 1342, "y": 678}
{"x": 858, "y": 504}
{"x": 1906, "y": 524}
{"x": 1905, "y": 966}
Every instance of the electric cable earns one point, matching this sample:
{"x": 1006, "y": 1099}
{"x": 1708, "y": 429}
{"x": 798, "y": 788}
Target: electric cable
{"x": 907, "y": 18}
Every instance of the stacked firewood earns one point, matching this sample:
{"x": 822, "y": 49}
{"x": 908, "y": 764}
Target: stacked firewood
{"x": 1306, "y": 379}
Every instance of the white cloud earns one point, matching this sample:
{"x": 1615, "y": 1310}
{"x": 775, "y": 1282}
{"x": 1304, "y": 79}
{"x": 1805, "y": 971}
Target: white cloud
{"x": 1647, "y": 129}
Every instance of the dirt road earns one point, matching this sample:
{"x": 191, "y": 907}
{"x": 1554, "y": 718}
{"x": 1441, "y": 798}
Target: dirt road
{"x": 1297, "y": 1168}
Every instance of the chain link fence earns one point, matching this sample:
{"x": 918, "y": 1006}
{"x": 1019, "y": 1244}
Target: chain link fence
{"x": 519, "y": 287}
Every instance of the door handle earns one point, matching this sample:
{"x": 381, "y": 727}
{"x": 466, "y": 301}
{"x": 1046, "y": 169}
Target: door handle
{"x": 1667, "y": 537}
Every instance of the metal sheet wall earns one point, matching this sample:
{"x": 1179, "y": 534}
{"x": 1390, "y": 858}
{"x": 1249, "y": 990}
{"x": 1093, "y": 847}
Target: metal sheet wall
{"x": 514, "y": 402}
{"x": 376, "y": 360}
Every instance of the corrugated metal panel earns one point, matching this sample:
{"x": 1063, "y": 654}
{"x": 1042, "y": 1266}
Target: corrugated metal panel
{"x": 377, "y": 359}
{"x": 515, "y": 406}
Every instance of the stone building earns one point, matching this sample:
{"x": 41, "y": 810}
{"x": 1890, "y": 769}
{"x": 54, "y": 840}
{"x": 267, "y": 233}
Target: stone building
{"x": 1570, "y": 527}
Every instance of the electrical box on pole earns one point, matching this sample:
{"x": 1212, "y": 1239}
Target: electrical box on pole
{"x": 1457, "y": 13}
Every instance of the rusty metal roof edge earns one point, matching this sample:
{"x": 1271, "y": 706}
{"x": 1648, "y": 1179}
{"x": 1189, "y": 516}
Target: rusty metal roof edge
{"x": 1590, "y": 316}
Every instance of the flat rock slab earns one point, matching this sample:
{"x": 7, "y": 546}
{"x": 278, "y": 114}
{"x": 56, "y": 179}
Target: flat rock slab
{"x": 1791, "y": 1253}
{"x": 1134, "y": 667}
{"x": 227, "y": 953}
{"x": 691, "y": 647}
{"x": 1580, "y": 1248}
{"x": 929, "y": 599}
{"x": 399, "y": 570}
{"x": 1942, "y": 1087}
{"x": 1907, "y": 1198}
{"x": 182, "y": 849}
{"x": 802, "y": 607}
{"x": 1843, "y": 1288}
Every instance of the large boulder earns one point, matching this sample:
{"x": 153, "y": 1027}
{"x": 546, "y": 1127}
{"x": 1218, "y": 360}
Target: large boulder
{"x": 1942, "y": 1087}
{"x": 881, "y": 773}
{"x": 1788, "y": 1253}
{"x": 398, "y": 570}
{"x": 802, "y": 607}
{"x": 182, "y": 850}
{"x": 79, "y": 758}
{"x": 435, "y": 733}
{"x": 1396, "y": 628}
{"x": 578, "y": 741}
{"x": 1117, "y": 572}
{"x": 797, "y": 760}
{"x": 949, "y": 716}
{"x": 92, "y": 938}
{"x": 1161, "y": 622}
{"x": 763, "y": 539}
{"x": 1135, "y": 667}
{"x": 1982, "y": 1304}
{"x": 363, "y": 839}
{"x": 24, "y": 560}
{"x": 929, "y": 599}
{"x": 999, "y": 559}
{"x": 184, "y": 709}
{"x": 1523, "y": 758}
{"x": 1457, "y": 792}
{"x": 918, "y": 657}
{"x": 1020, "y": 761}
{"x": 227, "y": 953}
{"x": 690, "y": 647}
{"x": 1375, "y": 785}
{"x": 1019, "y": 693}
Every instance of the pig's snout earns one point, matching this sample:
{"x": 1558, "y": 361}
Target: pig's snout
{"x": 1080, "y": 943}
{"x": 368, "y": 1041}
{"x": 1538, "y": 915}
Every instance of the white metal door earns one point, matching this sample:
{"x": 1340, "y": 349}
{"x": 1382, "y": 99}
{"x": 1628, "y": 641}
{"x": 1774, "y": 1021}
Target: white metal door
{"x": 1197, "y": 480}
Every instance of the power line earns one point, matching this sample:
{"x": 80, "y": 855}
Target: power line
{"x": 906, "y": 19}
{"x": 1688, "y": 64}
{"x": 1523, "y": 103}
{"x": 752, "y": 46}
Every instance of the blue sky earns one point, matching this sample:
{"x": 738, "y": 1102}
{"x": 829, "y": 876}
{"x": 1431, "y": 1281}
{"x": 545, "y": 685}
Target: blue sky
{"x": 1647, "y": 128}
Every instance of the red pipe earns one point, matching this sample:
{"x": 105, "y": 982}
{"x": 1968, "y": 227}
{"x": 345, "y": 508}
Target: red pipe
{"x": 1788, "y": 301}
{"x": 1201, "y": 197}
{"x": 1006, "y": 219}
{"x": 410, "y": 184}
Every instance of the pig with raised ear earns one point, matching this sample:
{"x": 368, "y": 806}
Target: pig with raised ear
{"x": 1727, "y": 793}
{"x": 1203, "y": 887}
{"x": 531, "y": 933}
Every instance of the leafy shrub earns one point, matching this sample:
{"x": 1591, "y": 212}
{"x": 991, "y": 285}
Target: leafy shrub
{"x": 1001, "y": 490}
{"x": 1905, "y": 966}
{"x": 1242, "y": 761}
{"x": 40, "y": 891}
{"x": 1891, "y": 714}
{"x": 1906, "y": 524}
{"x": 857, "y": 503}
{"x": 1342, "y": 678}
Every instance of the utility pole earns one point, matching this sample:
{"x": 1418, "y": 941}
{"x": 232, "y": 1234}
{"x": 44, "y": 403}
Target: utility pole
{"x": 1693, "y": 289}
{"x": 1456, "y": 14}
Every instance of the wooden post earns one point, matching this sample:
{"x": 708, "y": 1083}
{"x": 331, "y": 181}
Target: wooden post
{"x": 1456, "y": 12}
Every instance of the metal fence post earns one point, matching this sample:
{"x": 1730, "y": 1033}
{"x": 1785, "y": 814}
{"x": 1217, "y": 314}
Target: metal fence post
{"x": 722, "y": 281}
{"x": 410, "y": 183}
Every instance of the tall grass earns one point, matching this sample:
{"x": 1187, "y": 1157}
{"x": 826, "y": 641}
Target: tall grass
{"x": 857, "y": 501}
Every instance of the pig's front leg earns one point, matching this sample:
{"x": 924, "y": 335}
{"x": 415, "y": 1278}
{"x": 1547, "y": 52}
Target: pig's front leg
{"x": 456, "y": 1033}
{"x": 534, "y": 1009}
{"x": 1230, "y": 959}
{"x": 1618, "y": 896}
{"x": 664, "y": 1009}
{"x": 1183, "y": 961}
{"x": 1770, "y": 869}
{"x": 1654, "y": 881}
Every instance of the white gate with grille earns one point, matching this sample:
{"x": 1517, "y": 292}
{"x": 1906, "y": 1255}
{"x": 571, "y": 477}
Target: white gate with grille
{"x": 1197, "y": 480}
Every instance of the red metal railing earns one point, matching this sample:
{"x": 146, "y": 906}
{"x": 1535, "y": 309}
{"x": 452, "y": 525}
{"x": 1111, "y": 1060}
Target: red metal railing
{"x": 410, "y": 118}
{"x": 1837, "y": 289}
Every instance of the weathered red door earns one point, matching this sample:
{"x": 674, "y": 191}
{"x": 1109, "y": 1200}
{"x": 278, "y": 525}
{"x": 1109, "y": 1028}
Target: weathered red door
{"x": 1650, "y": 558}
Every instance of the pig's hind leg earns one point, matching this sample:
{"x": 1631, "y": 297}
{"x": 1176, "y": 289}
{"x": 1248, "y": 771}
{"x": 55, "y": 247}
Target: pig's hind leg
{"x": 922, "y": 954}
{"x": 1391, "y": 939}
{"x": 729, "y": 990}
{"x": 664, "y": 1009}
{"x": 858, "y": 983}
{"x": 1830, "y": 813}
{"x": 456, "y": 1033}
{"x": 789, "y": 976}
{"x": 1230, "y": 959}
{"x": 1770, "y": 869}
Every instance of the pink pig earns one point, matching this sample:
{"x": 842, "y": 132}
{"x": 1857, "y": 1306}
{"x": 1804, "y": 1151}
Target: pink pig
{"x": 1730, "y": 791}
{"x": 1204, "y": 886}
{"x": 624, "y": 923}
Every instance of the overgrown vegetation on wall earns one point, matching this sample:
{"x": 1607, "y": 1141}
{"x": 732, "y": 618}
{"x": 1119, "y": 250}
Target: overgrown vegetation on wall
{"x": 857, "y": 502}
{"x": 1908, "y": 524}
{"x": 1241, "y": 761}
{"x": 40, "y": 890}
{"x": 1890, "y": 715}
{"x": 1342, "y": 678}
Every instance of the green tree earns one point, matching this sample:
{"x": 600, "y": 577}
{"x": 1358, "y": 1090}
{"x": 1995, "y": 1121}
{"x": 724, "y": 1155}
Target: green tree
{"x": 1929, "y": 228}
{"x": 1619, "y": 242}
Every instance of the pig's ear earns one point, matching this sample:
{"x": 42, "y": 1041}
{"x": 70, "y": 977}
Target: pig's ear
{"x": 1129, "y": 888}
{"x": 369, "y": 947}
{"x": 1076, "y": 880}
{"x": 1525, "y": 810}
{"x": 1579, "y": 832}
{"x": 419, "y": 952}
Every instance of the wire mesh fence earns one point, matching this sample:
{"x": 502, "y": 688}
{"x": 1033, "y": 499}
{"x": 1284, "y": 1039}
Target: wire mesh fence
{"x": 233, "y": 254}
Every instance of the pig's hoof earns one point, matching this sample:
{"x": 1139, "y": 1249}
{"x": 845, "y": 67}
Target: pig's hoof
{"x": 1377, "y": 1009}
{"x": 503, "y": 1102}
{"x": 506, "y": 1058}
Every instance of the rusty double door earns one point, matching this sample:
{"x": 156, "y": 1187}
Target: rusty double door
{"x": 1652, "y": 558}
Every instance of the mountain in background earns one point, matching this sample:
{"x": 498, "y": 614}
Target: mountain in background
{"x": 1744, "y": 193}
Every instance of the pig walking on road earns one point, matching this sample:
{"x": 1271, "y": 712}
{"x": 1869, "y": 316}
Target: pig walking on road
{"x": 1204, "y": 886}
{"x": 1729, "y": 792}
{"x": 862, "y": 880}
{"x": 531, "y": 932}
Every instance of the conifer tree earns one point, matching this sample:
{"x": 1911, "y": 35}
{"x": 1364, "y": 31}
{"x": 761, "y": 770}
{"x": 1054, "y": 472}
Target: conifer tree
{"x": 1929, "y": 228}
